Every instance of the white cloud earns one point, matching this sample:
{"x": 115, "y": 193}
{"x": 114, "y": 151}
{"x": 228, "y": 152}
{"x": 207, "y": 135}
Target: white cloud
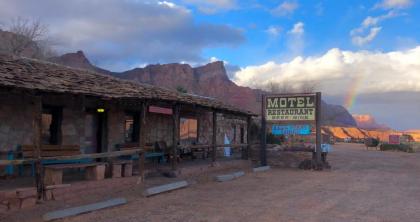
{"x": 274, "y": 31}
{"x": 370, "y": 28}
{"x": 363, "y": 40}
{"x": 337, "y": 71}
{"x": 298, "y": 29}
{"x": 212, "y": 6}
{"x": 394, "y": 4}
{"x": 285, "y": 8}
{"x": 168, "y": 4}
{"x": 295, "y": 39}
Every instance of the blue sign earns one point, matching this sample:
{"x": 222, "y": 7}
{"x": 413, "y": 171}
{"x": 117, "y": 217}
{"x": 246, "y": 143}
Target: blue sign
{"x": 291, "y": 129}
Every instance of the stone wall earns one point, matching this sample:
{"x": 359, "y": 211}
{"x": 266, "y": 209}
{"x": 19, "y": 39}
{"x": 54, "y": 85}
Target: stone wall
{"x": 226, "y": 124}
{"x": 17, "y": 115}
{"x": 159, "y": 128}
{"x": 115, "y": 135}
{"x": 16, "y": 121}
{"x": 73, "y": 126}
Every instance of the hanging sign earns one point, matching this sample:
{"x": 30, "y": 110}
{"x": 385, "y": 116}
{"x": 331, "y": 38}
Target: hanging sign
{"x": 290, "y": 107}
{"x": 291, "y": 129}
{"x": 161, "y": 110}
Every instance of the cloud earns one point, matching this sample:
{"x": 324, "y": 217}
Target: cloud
{"x": 370, "y": 28}
{"x": 363, "y": 40}
{"x": 297, "y": 29}
{"x": 284, "y": 9}
{"x": 386, "y": 84}
{"x": 394, "y": 4}
{"x": 273, "y": 31}
{"x": 295, "y": 39}
{"x": 212, "y": 6}
{"x": 337, "y": 71}
{"x": 117, "y": 32}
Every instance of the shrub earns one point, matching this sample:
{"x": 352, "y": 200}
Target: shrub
{"x": 273, "y": 139}
{"x": 396, "y": 147}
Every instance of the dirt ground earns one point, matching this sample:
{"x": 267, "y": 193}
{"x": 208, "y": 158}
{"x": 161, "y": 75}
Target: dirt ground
{"x": 362, "y": 186}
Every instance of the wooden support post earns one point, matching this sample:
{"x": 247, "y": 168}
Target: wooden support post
{"x": 318, "y": 127}
{"x": 214, "y": 137}
{"x": 142, "y": 139}
{"x": 248, "y": 138}
{"x": 37, "y": 124}
{"x": 175, "y": 135}
{"x": 263, "y": 150}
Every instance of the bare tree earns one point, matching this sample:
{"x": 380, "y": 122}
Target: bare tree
{"x": 279, "y": 87}
{"x": 287, "y": 87}
{"x": 26, "y": 38}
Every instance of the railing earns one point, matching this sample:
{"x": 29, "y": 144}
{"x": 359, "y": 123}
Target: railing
{"x": 73, "y": 157}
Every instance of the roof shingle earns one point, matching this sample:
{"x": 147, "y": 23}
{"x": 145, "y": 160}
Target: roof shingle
{"x": 49, "y": 77}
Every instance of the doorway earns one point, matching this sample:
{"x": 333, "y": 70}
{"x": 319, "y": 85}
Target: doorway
{"x": 95, "y": 131}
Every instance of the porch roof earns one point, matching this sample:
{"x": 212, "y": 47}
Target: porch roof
{"x": 24, "y": 73}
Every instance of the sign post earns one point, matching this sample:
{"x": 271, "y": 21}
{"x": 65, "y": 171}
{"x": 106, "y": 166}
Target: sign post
{"x": 318, "y": 128}
{"x": 295, "y": 110}
{"x": 263, "y": 152}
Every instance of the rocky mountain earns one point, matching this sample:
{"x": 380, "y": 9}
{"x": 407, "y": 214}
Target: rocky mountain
{"x": 209, "y": 80}
{"x": 77, "y": 60}
{"x": 366, "y": 121}
{"x": 10, "y": 42}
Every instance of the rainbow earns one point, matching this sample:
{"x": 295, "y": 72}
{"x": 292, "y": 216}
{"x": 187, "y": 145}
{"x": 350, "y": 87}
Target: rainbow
{"x": 351, "y": 95}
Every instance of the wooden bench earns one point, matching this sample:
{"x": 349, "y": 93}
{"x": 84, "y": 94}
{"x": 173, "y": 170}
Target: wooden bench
{"x": 28, "y": 152}
{"x": 54, "y": 173}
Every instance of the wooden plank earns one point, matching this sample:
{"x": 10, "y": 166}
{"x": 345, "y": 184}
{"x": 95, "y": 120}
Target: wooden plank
{"x": 16, "y": 162}
{"x": 165, "y": 188}
{"x": 228, "y": 177}
{"x": 96, "y": 155}
{"x": 224, "y": 178}
{"x": 57, "y": 186}
{"x": 83, "y": 209}
{"x": 75, "y": 165}
{"x": 261, "y": 169}
{"x": 46, "y": 147}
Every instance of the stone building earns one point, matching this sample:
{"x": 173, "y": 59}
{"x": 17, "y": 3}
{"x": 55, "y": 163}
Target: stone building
{"x": 61, "y": 105}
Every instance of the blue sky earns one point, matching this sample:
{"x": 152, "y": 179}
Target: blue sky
{"x": 364, "y": 55}
{"x": 327, "y": 24}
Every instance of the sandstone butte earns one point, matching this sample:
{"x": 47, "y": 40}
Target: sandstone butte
{"x": 358, "y": 133}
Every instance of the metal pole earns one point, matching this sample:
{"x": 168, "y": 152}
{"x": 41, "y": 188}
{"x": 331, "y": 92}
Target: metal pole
{"x": 263, "y": 150}
{"x": 318, "y": 128}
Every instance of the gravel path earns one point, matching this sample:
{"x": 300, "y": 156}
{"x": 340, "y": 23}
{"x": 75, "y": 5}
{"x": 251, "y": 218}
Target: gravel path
{"x": 362, "y": 186}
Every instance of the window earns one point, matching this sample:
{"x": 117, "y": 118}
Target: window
{"x": 131, "y": 127}
{"x": 188, "y": 132}
{"x": 51, "y": 125}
